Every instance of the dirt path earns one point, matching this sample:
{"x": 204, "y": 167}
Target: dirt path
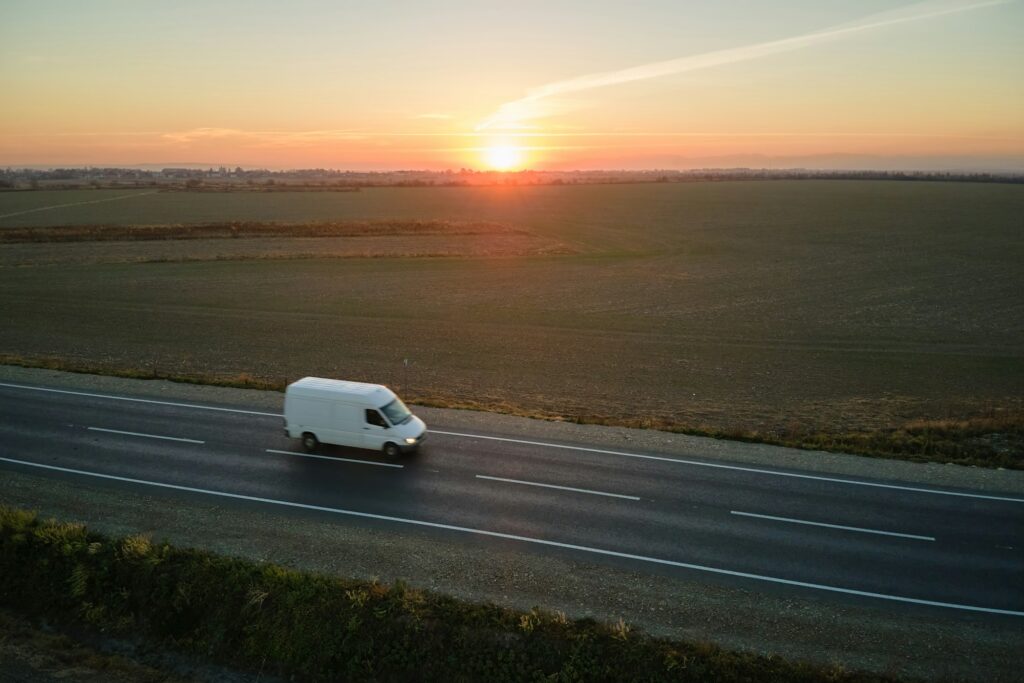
{"x": 61, "y": 206}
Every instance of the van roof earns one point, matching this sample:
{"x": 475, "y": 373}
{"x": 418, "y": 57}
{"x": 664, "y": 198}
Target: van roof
{"x": 322, "y": 387}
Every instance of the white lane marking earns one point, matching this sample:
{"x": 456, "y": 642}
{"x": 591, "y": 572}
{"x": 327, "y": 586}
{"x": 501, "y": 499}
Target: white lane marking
{"x": 831, "y": 526}
{"x": 680, "y": 461}
{"x": 528, "y": 539}
{"x": 561, "y": 488}
{"x": 148, "y": 436}
{"x": 93, "y": 201}
{"x": 139, "y": 400}
{"x": 757, "y": 470}
{"x": 327, "y": 457}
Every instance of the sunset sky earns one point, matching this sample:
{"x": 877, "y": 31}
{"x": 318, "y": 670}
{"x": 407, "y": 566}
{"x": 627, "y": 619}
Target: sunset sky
{"x": 544, "y": 85}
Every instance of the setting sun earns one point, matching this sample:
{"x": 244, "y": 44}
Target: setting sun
{"x": 504, "y": 157}
{"x": 599, "y": 225}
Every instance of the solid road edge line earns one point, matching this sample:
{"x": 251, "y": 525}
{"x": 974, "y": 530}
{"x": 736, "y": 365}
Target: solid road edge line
{"x": 555, "y": 486}
{"x": 536, "y": 541}
{"x": 332, "y": 459}
{"x": 148, "y": 436}
{"x": 831, "y": 526}
{"x": 139, "y": 400}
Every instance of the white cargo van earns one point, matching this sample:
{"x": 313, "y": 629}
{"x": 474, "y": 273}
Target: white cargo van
{"x": 333, "y": 411}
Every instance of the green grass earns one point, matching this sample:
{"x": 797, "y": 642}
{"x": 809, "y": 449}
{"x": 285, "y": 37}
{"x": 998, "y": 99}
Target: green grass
{"x": 315, "y": 627}
{"x": 825, "y": 310}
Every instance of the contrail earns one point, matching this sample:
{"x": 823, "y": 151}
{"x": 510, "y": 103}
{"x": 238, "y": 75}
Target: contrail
{"x": 512, "y": 114}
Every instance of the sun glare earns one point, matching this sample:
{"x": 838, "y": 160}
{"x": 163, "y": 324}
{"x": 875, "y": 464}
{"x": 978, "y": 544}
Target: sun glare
{"x": 504, "y": 157}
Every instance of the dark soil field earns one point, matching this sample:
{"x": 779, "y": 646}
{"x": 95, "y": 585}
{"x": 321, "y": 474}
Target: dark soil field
{"x": 781, "y": 308}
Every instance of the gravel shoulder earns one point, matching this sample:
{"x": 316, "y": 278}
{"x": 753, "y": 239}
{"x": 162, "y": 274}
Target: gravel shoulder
{"x": 912, "y": 641}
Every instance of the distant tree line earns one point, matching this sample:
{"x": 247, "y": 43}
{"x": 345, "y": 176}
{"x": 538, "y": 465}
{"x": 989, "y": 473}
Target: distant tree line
{"x": 223, "y": 179}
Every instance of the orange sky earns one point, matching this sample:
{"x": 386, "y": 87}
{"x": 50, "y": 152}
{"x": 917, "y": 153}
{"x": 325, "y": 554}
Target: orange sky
{"x": 578, "y": 85}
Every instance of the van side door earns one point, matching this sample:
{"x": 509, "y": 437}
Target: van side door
{"x": 375, "y": 429}
{"x": 347, "y": 425}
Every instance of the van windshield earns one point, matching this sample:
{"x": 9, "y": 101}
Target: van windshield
{"x": 396, "y": 411}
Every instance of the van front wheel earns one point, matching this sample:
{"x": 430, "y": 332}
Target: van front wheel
{"x": 391, "y": 450}
{"x": 310, "y": 442}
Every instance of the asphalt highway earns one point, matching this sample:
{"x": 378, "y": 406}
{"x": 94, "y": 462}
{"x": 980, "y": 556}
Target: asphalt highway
{"x": 898, "y": 545}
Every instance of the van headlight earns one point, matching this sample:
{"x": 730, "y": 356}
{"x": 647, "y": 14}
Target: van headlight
{"x": 410, "y": 440}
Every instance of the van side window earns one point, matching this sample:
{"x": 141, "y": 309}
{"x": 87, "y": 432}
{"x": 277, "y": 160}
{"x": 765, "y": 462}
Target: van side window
{"x": 375, "y": 418}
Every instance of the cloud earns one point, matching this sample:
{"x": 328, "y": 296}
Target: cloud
{"x": 263, "y": 138}
{"x": 538, "y": 102}
{"x": 432, "y": 116}
{"x": 201, "y": 134}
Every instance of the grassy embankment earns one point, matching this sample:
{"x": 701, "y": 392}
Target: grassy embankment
{"x": 992, "y": 440}
{"x": 314, "y": 627}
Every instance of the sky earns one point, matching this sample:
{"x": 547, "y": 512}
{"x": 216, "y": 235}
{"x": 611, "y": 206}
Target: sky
{"x": 546, "y": 85}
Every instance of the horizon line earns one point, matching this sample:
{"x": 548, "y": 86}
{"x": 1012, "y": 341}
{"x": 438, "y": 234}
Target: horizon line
{"x": 205, "y": 166}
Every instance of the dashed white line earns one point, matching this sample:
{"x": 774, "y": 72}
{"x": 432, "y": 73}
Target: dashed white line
{"x": 148, "y": 436}
{"x": 757, "y": 470}
{"x": 560, "y": 488}
{"x": 535, "y": 541}
{"x": 831, "y": 526}
{"x": 333, "y": 459}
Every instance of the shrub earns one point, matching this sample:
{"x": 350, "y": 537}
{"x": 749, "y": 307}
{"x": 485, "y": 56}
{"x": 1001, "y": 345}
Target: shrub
{"x": 317, "y": 627}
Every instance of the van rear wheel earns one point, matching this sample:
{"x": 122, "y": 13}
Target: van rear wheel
{"x": 392, "y": 450}
{"x": 310, "y": 442}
